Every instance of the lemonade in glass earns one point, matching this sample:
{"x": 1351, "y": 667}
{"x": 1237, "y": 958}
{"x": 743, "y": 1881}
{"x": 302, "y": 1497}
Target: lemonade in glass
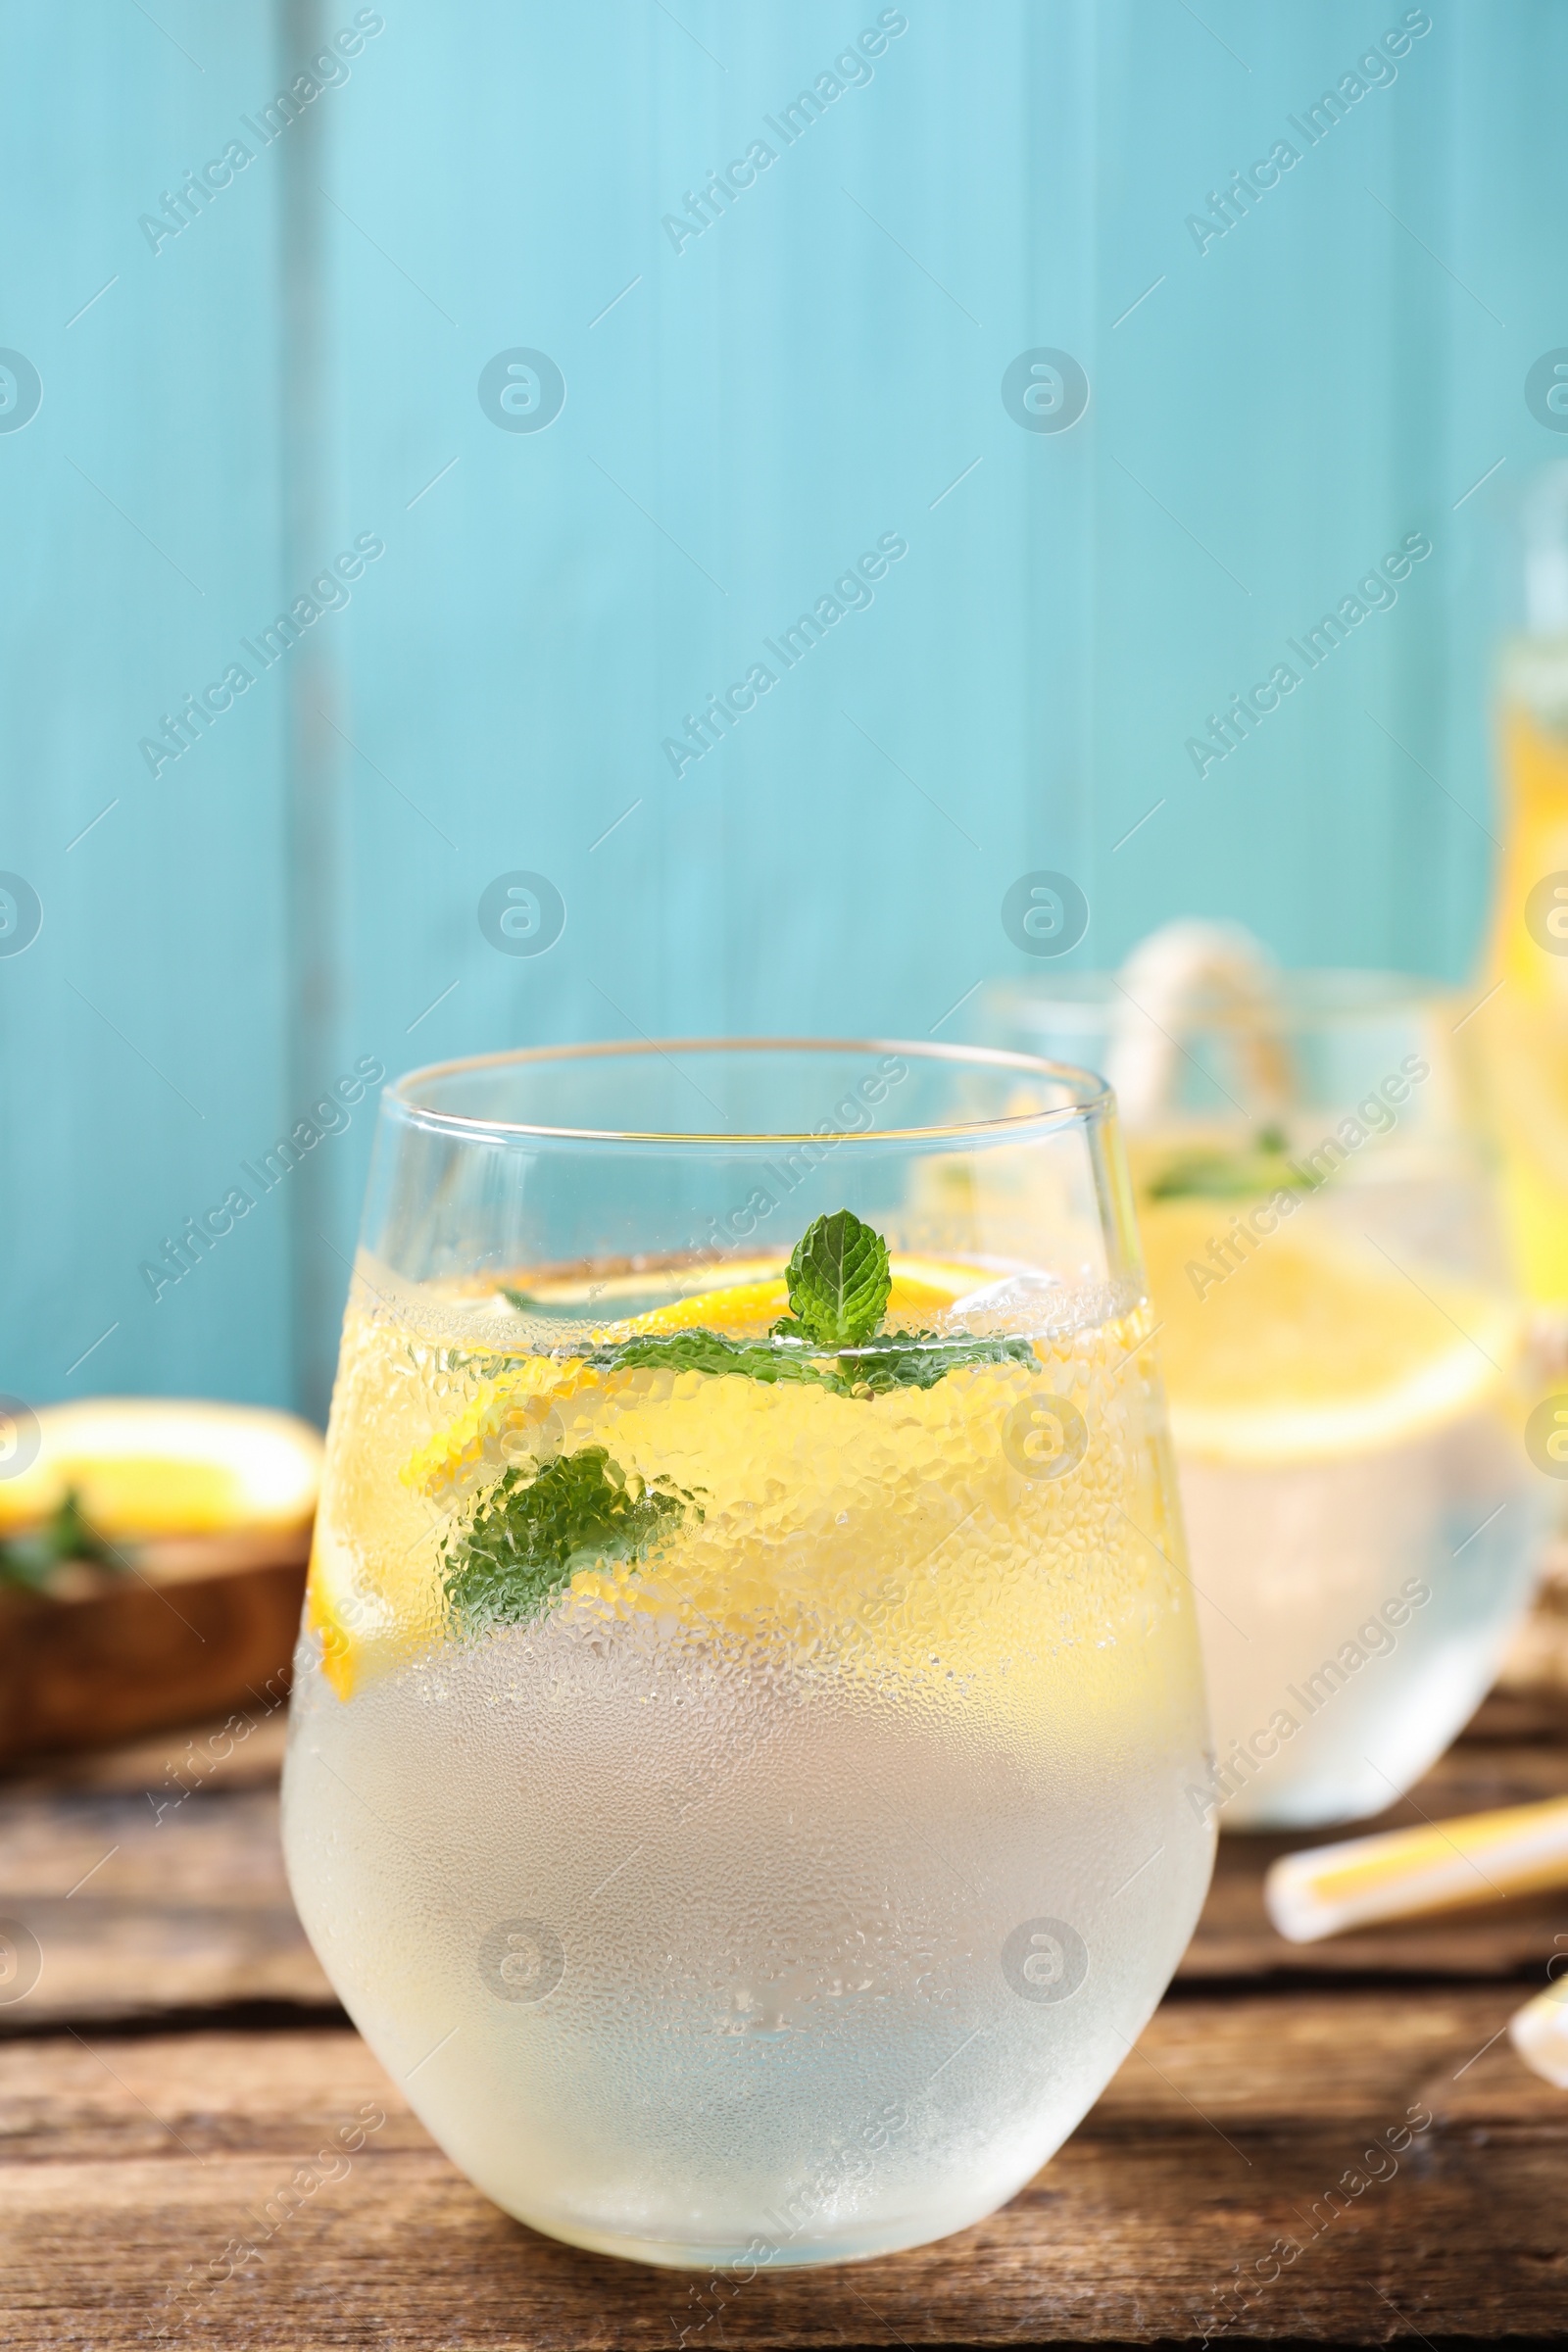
{"x": 750, "y": 1677}
{"x": 1344, "y": 1352}
{"x": 1518, "y": 1029}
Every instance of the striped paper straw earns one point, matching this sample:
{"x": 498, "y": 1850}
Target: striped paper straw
{"x": 1436, "y": 1868}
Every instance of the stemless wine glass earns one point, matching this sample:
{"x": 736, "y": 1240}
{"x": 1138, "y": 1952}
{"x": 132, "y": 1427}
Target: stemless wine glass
{"x": 1344, "y": 1349}
{"x": 750, "y": 1685}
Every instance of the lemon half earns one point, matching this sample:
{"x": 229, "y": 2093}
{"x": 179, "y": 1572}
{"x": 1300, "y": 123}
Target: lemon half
{"x": 1312, "y": 1349}
{"x": 145, "y": 1466}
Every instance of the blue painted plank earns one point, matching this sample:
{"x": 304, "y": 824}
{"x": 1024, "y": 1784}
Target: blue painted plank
{"x": 751, "y": 403}
{"x": 141, "y": 1038}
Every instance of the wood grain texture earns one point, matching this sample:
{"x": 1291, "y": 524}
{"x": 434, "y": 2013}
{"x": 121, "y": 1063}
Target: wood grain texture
{"x": 145, "y": 2175}
{"x": 135, "y": 2174}
{"x": 1510, "y": 1757}
{"x": 153, "y": 1879}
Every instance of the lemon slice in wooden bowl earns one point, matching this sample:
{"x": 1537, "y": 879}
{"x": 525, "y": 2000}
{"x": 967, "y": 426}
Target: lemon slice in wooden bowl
{"x": 148, "y": 1466}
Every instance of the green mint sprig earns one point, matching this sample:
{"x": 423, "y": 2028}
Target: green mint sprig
{"x": 533, "y": 1530}
{"x": 527, "y": 1304}
{"x": 701, "y": 1351}
{"x": 919, "y": 1359}
{"x": 839, "y": 1281}
{"x": 29, "y": 1560}
{"x": 894, "y": 1359}
{"x": 1236, "y": 1175}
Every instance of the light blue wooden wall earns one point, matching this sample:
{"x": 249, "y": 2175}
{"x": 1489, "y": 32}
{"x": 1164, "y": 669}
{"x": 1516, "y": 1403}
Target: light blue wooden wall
{"x": 300, "y": 368}
{"x": 145, "y": 1033}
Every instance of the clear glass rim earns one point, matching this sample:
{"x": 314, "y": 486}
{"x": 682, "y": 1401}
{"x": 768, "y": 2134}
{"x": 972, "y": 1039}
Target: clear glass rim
{"x": 1322, "y": 997}
{"x": 1091, "y": 1097}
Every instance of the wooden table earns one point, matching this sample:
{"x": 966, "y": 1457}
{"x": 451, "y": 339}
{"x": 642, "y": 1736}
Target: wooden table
{"x": 181, "y": 2057}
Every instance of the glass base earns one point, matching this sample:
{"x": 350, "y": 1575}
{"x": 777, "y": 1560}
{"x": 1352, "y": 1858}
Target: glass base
{"x": 1370, "y": 1757}
{"x": 766, "y": 2251}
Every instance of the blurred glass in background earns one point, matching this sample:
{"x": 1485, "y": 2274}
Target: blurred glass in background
{"x": 1343, "y": 1344}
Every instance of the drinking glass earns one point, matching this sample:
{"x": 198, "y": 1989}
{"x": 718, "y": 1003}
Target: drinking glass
{"x": 1520, "y": 1024}
{"x": 750, "y": 1682}
{"x": 1344, "y": 1352}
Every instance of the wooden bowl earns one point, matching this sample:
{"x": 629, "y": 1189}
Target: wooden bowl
{"x": 198, "y": 1625}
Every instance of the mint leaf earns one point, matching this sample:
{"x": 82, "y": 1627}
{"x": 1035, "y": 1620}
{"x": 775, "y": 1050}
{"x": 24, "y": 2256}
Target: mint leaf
{"x": 898, "y": 1359}
{"x": 527, "y": 1304}
{"x": 534, "y": 1530}
{"x": 704, "y": 1351}
{"x": 1231, "y": 1175}
{"x": 30, "y": 1560}
{"x": 919, "y": 1359}
{"x": 839, "y": 1283}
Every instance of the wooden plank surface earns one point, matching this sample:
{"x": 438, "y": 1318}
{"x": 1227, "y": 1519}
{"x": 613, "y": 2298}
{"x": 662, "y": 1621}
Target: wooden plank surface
{"x": 164, "y": 1861}
{"x": 137, "y": 2172}
{"x": 181, "y": 2059}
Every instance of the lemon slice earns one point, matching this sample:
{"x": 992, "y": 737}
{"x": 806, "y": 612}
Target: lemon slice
{"x": 921, "y": 1288}
{"x": 732, "y": 1428}
{"x": 499, "y": 1421}
{"x": 1310, "y": 1350}
{"x": 164, "y": 1466}
{"x": 874, "y": 1535}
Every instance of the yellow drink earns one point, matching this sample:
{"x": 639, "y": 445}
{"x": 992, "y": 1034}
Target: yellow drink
{"x": 1520, "y": 1032}
{"x": 1348, "y": 1427}
{"x": 787, "y": 1887}
{"x": 1343, "y": 1346}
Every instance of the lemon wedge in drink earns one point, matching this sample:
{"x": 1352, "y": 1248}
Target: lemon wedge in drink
{"x": 922, "y": 1287}
{"x": 1313, "y": 1346}
{"x": 786, "y": 1513}
{"x": 500, "y": 1423}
